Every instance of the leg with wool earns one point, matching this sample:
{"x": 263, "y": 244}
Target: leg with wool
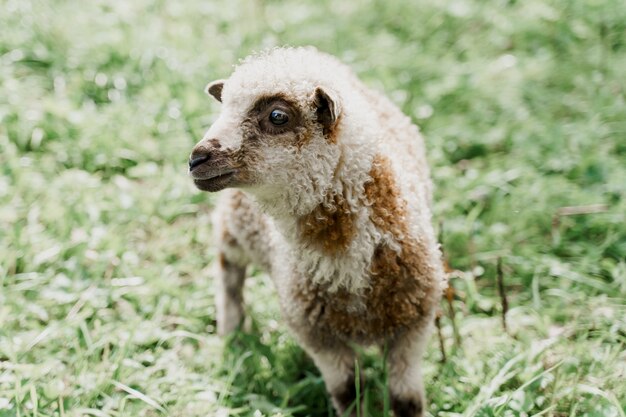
{"x": 229, "y": 295}
{"x": 337, "y": 368}
{"x": 405, "y": 376}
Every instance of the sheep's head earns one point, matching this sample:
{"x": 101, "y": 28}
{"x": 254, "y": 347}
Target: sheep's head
{"x": 272, "y": 134}
{"x": 264, "y": 144}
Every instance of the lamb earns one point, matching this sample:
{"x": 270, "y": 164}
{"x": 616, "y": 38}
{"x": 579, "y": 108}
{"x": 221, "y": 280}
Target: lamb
{"x": 328, "y": 190}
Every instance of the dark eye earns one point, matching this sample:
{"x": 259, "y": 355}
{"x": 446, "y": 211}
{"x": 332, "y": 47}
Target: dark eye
{"x": 278, "y": 117}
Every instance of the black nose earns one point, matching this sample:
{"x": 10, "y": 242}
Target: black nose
{"x": 194, "y": 162}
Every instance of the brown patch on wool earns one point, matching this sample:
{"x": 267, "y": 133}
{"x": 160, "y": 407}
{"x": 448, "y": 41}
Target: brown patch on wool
{"x": 396, "y": 301}
{"x": 332, "y": 133}
{"x": 328, "y": 227}
{"x": 402, "y": 283}
{"x": 383, "y": 195}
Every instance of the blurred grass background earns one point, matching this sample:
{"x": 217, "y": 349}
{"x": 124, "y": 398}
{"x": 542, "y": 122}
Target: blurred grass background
{"x": 106, "y": 289}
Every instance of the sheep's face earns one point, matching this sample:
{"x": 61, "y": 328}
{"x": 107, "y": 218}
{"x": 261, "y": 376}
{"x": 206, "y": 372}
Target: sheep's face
{"x": 267, "y": 142}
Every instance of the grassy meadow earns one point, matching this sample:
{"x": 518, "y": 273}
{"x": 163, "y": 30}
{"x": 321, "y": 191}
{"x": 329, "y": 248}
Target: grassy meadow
{"x": 106, "y": 289}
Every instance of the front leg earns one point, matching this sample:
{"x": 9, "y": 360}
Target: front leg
{"x": 229, "y": 295}
{"x": 336, "y": 364}
{"x": 405, "y": 376}
{"x": 314, "y": 318}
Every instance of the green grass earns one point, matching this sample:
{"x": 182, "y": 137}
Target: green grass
{"x": 106, "y": 290}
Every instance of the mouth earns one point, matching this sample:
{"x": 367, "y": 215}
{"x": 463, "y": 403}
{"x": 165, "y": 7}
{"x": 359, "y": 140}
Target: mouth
{"x": 216, "y": 182}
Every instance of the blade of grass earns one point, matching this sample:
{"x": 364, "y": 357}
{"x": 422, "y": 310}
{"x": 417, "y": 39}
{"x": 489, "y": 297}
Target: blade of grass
{"x": 357, "y": 384}
{"x": 587, "y": 389}
{"x": 139, "y": 395}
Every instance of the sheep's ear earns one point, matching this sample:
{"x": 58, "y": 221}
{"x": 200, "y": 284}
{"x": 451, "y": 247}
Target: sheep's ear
{"x": 214, "y": 89}
{"x": 328, "y": 107}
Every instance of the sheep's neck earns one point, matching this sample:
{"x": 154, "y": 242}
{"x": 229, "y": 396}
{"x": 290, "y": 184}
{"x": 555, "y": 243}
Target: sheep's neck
{"x": 332, "y": 239}
{"x": 332, "y": 245}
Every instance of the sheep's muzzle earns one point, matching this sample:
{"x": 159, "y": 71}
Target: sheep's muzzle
{"x": 216, "y": 183}
{"x": 210, "y": 167}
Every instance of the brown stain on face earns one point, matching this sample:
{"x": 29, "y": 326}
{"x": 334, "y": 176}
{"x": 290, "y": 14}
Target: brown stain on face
{"x": 329, "y": 227}
{"x": 258, "y": 134}
{"x": 293, "y": 133}
{"x": 402, "y": 283}
{"x": 297, "y": 132}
